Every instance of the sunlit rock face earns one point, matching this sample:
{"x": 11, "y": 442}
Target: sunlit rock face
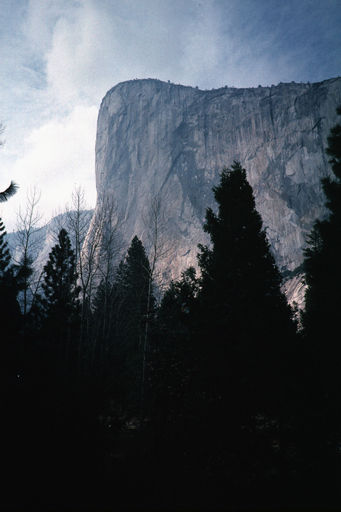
{"x": 156, "y": 138}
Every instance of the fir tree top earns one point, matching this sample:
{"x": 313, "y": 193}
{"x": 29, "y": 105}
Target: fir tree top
{"x": 5, "y": 257}
{"x": 60, "y": 276}
{"x": 240, "y": 250}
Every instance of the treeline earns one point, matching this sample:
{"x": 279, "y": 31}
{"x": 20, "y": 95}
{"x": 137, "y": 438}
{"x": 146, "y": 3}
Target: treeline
{"x": 214, "y": 396}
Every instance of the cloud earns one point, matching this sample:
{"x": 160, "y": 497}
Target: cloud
{"x": 96, "y": 44}
{"x": 39, "y": 22}
{"x": 78, "y": 49}
{"x": 102, "y": 43}
{"x": 78, "y": 56}
{"x": 58, "y": 156}
{"x": 60, "y": 57}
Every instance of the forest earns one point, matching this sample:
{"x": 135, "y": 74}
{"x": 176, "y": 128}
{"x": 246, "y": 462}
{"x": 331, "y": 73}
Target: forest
{"x": 212, "y": 394}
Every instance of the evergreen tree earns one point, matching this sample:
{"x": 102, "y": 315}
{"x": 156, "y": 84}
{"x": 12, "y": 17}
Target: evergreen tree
{"x": 5, "y": 257}
{"x": 9, "y": 192}
{"x": 11, "y": 366}
{"x": 323, "y": 256}
{"x": 29, "y": 300}
{"x": 137, "y": 304}
{"x": 173, "y": 350}
{"x": 245, "y": 330}
{"x": 321, "y": 320}
{"x": 61, "y": 299}
{"x": 23, "y": 273}
{"x": 132, "y": 283}
{"x": 8, "y": 290}
{"x": 103, "y": 328}
{"x": 171, "y": 367}
{"x": 125, "y": 328}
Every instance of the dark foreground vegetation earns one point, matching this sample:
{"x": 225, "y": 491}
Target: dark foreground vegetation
{"x": 210, "y": 399}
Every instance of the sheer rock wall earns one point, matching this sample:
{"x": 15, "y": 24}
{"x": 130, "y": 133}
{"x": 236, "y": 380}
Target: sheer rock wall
{"x": 157, "y": 138}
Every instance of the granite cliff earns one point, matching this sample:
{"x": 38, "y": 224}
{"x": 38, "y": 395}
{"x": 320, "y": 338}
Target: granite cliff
{"x": 171, "y": 141}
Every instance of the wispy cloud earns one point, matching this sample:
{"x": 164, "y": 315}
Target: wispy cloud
{"x": 58, "y": 156}
{"x": 59, "y": 58}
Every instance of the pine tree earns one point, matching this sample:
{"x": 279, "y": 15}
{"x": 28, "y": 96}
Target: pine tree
{"x": 104, "y": 323}
{"x": 24, "y": 271}
{"x": 173, "y": 350}
{"x": 240, "y": 286}
{"x": 127, "y": 327}
{"x": 172, "y": 365}
{"x": 9, "y": 192}
{"x": 11, "y": 361}
{"x": 323, "y": 256}
{"x": 5, "y": 257}
{"x": 8, "y": 289}
{"x": 245, "y": 329}
{"x": 321, "y": 316}
{"x": 12, "y": 369}
{"x": 61, "y": 298}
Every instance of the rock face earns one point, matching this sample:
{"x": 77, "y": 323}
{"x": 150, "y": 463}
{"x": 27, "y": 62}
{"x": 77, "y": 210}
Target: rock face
{"x": 171, "y": 141}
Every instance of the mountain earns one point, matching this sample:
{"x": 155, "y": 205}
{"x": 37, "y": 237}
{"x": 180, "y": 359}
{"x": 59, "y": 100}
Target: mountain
{"x": 45, "y": 237}
{"x": 166, "y": 141}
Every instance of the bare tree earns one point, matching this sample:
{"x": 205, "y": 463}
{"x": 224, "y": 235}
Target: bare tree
{"x": 76, "y": 222}
{"x": 102, "y": 250}
{"x": 111, "y": 244}
{"x": 158, "y": 247}
{"x": 75, "y": 218}
{"x": 97, "y": 245}
{"x": 28, "y": 242}
{"x": 156, "y": 236}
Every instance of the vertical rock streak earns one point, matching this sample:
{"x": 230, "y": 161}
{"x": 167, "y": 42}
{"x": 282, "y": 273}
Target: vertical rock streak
{"x": 160, "y": 138}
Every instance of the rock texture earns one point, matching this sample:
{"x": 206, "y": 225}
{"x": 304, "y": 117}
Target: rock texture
{"x": 156, "y": 138}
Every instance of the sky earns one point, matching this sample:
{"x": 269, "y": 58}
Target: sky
{"x": 59, "y": 57}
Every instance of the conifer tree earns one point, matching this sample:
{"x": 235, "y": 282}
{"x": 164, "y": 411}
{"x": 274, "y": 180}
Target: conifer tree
{"x": 174, "y": 356}
{"x": 323, "y": 256}
{"x": 240, "y": 286}
{"x": 172, "y": 365}
{"x": 24, "y": 271}
{"x": 104, "y": 322}
{"x": 8, "y": 289}
{"x": 11, "y": 368}
{"x": 134, "y": 305}
{"x": 5, "y": 257}
{"x": 61, "y": 298}
{"x": 9, "y": 192}
{"x": 245, "y": 329}
{"x": 321, "y": 316}
{"x": 11, "y": 361}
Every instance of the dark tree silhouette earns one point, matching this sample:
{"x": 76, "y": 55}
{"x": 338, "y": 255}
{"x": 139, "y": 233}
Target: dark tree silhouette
{"x": 11, "y": 372}
{"x": 245, "y": 333}
{"x": 321, "y": 320}
{"x": 121, "y": 313}
{"x": 5, "y": 257}
{"x": 323, "y": 256}
{"x": 8, "y": 288}
{"x": 171, "y": 366}
{"x": 9, "y": 192}
{"x": 135, "y": 305}
{"x": 60, "y": 300}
